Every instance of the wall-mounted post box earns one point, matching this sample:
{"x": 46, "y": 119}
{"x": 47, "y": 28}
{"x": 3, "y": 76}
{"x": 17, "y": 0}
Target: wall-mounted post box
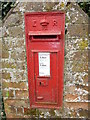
{"x": 45, "y": 58}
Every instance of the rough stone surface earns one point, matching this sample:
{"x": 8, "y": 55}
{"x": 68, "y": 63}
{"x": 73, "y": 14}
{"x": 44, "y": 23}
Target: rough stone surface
{"x": 14, "y": 64}
{"x": 15, "y": 31}
{"x": 13, "y": 20}
{"x": 79, "y": 30}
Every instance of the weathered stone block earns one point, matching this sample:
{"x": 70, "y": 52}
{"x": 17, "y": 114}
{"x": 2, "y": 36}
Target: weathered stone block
{"x": 67, "y": 77}
{"x": 12, "y": 85}
{"x": 19, "y": 7}
{"x": 87, "y": 88}
{"x": 5, "y": 85}
{"x": 13, "y": 55}
{"x": 7, "y": 108}
{"x": 32, "y": 112}
{"x": 18, "y": 55}
{"x": 70, "y": 89}
{"x": 85, "y": 97}
{"x": 49, "y": 6}
{"x": 16, "y": 43}
{"x": 6, "y": 64}
{"x": 8, "y": 93}
{"x": 83, "y": 113}
{"x": 78, "y": 55}
{"x": 13, "y": 20}
{"x": 70, "y": 97}
{"x": 37, "y": 6}
{"x": 79, "y": 30}
{"x": 76, "y": 97}
{"x": 76, "y": 66}
{"x": 72, "y": 114}
{"x": 21, "y": 65}
{"x": 19, "y": 76}
{"x": 81, "y": 78}
{"x": 80, "y": 66}
{"x": 21, "y": 56}
{"x": 15, "y": 31}
{"x": 12, "y": 109}
{"x": 14, "y": 116}
{"x": 76, "y": 15}
{"x": 21, "y": 94}
{"x": 83, "y": 44}
{"x": 5, "y": 54}
{"x": 74, "y": 78}
{"x": 23, "y": 85}
{"x": 17, "y": 103}
{"x": 76, "y": 105}
{"x": 20, "y": 43}
{"x": 74, "y": 19}
{"x": 74, "y": 44}
{"x": 5, "y": 75}
{"x": 20, "y": 111}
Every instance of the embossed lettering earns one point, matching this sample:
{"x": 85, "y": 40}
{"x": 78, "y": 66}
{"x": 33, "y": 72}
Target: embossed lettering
{"x": 34, "y": 23}
{"x": 54, "y": 23}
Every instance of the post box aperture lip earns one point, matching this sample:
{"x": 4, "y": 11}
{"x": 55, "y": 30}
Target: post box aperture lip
{"x": 37, "y": 36}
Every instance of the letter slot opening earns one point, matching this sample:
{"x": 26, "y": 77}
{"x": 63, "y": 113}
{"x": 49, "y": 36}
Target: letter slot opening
{"x": 45, "y": 37}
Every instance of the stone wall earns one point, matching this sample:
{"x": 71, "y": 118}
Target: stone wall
{"x": 14, "y": 65}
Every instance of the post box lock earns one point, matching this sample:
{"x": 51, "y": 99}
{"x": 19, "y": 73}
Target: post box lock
{"x": 42, "y": 83}
{"x": 45, "y": 58}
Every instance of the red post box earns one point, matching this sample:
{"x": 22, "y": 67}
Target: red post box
{"x": 45, "y": 58}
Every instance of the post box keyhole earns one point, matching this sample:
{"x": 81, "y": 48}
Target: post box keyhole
{"x": 40, "y": 83}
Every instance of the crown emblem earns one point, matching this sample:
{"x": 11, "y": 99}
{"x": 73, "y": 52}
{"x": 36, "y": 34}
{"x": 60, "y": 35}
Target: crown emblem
{"x": 44, "y": 23}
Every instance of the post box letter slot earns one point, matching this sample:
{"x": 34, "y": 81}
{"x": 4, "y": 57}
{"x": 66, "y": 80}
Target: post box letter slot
{"x": 44, "y": 37}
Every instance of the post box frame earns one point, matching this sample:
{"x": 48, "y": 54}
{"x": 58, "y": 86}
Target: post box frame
{"x": 32, "y": 51}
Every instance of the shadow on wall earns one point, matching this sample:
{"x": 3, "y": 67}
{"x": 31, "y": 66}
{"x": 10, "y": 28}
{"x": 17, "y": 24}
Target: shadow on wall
{"x": 2, "y": 111}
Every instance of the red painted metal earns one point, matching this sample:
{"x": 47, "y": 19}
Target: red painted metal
{"x": 45, "y": 34}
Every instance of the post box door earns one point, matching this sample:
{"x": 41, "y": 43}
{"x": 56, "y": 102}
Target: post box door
{"x": 46, "y": 82}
